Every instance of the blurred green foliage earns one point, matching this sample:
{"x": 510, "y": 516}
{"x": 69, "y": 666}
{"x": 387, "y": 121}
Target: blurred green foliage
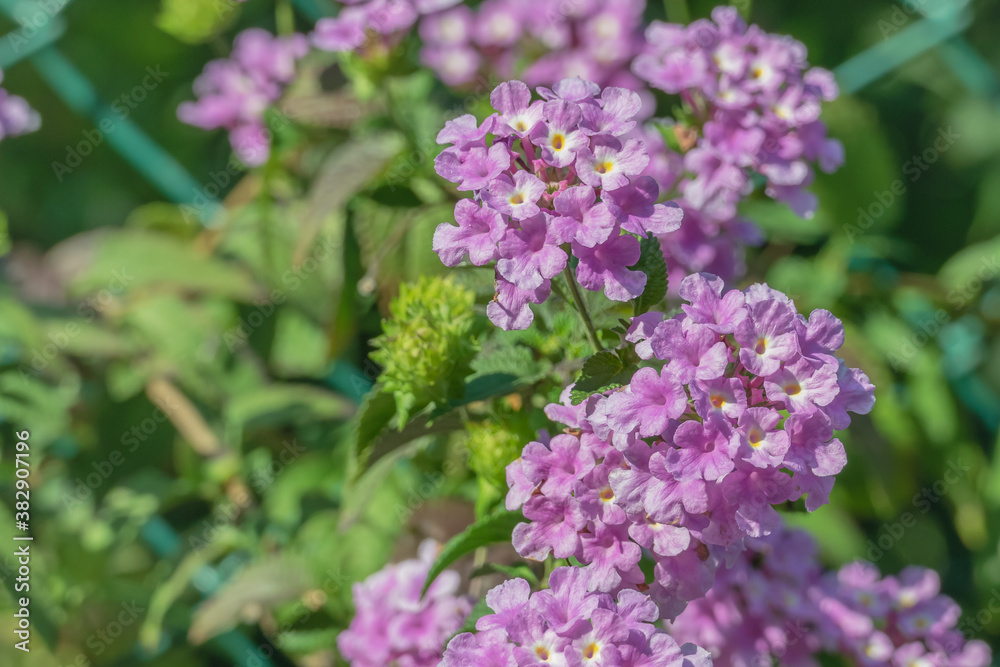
{"x": 217, "y": 441}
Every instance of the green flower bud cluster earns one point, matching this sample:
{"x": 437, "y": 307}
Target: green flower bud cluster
{"x": 492, "y": 447}
{"x": 427, "y": 344}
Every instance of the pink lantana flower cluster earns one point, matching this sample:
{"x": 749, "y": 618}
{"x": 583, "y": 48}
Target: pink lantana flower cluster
{"x": 759, "y": 608}
{"x": 361, "y": 20}
{"x": 734, "y": 414}
{"x": 394, "y": 625}
{"x": 234, "y": 93}
{"x": 757, "y": 103}
{"x": 551, "y": 177}
{"x": 901, "y": 620}
{"x": 570, "y": 626}
{"x": 590, "y": 39}
{"x": 775, "y": 605}
{"x": 754, "y": 108}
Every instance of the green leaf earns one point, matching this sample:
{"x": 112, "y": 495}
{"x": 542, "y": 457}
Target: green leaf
{"x": 521, "y": 571}
{"x": 478, "y": 611}
{"x": 349, "y": 169}
{"x": 374, "y": 416}
{"x": 652, "y": 263}
{"x": 129, "y": 260}
{"x": 278, "y": 404}
{"x": 483, "y": 387}
{"x": 359, "y": 494}
{"x": 308, "y": 641}
{"x": 494, "y": 528}
{"x": 374, "y": 440}
{"x": 260, "y": 586}
{"x": 518, "y": 360}
{"x": 300, "y": 346}
{"x": 608, "y": 369}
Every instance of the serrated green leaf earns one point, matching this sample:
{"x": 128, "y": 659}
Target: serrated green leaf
{"x": 654, "y": 265}
{"x": 518, "y": 360}
{"x": 608, "y": 369}
{"x": 494, "y": 528}
{"x": 604, "y": 363}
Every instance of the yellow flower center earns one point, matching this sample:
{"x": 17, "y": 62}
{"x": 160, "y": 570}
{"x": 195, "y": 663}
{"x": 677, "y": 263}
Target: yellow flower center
{"x": 717, "y": 400}
{"x": 792, "y": 389}
{"x": 591, "y": 650}
{"x": 761, "y": 346}
{"x": 755, "y": 437}
{"x": 604, "y": 167}
{"x": 607, "y": 494}
{"x": 558, "y": 142}
{"x": 517, "y": 199}
{"x": 542, "y": 653}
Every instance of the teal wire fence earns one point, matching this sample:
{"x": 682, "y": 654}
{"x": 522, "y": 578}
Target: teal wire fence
{"x": 147, "y": 157}
{"x": 940, "y": 31}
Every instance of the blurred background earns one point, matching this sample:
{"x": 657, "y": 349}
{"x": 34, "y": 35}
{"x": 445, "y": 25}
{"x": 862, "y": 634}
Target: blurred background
{"x": 190, "y": 385}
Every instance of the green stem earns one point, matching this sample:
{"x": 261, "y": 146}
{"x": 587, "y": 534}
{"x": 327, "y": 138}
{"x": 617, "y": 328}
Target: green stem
{"x": 284, "y": 16}
{"x": 582, "y": 308}
{"x": 677, "y": 11}
{"x": 479, "y": 559}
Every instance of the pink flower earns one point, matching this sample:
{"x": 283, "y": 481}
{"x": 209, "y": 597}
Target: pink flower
{"x": 606, "y": 266}
{"x": 394, "y": 624}
{"x": 529, "y": 255}
{"x": 610, "y": 164}
{"x": 690, "y": 458}
{"x": 479, "y": 229}
{"x": 648, "y": 404}
{"x": 517, "y": 198}
{"x": 569, "y": 624}
{"x": 523, "y": 163}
